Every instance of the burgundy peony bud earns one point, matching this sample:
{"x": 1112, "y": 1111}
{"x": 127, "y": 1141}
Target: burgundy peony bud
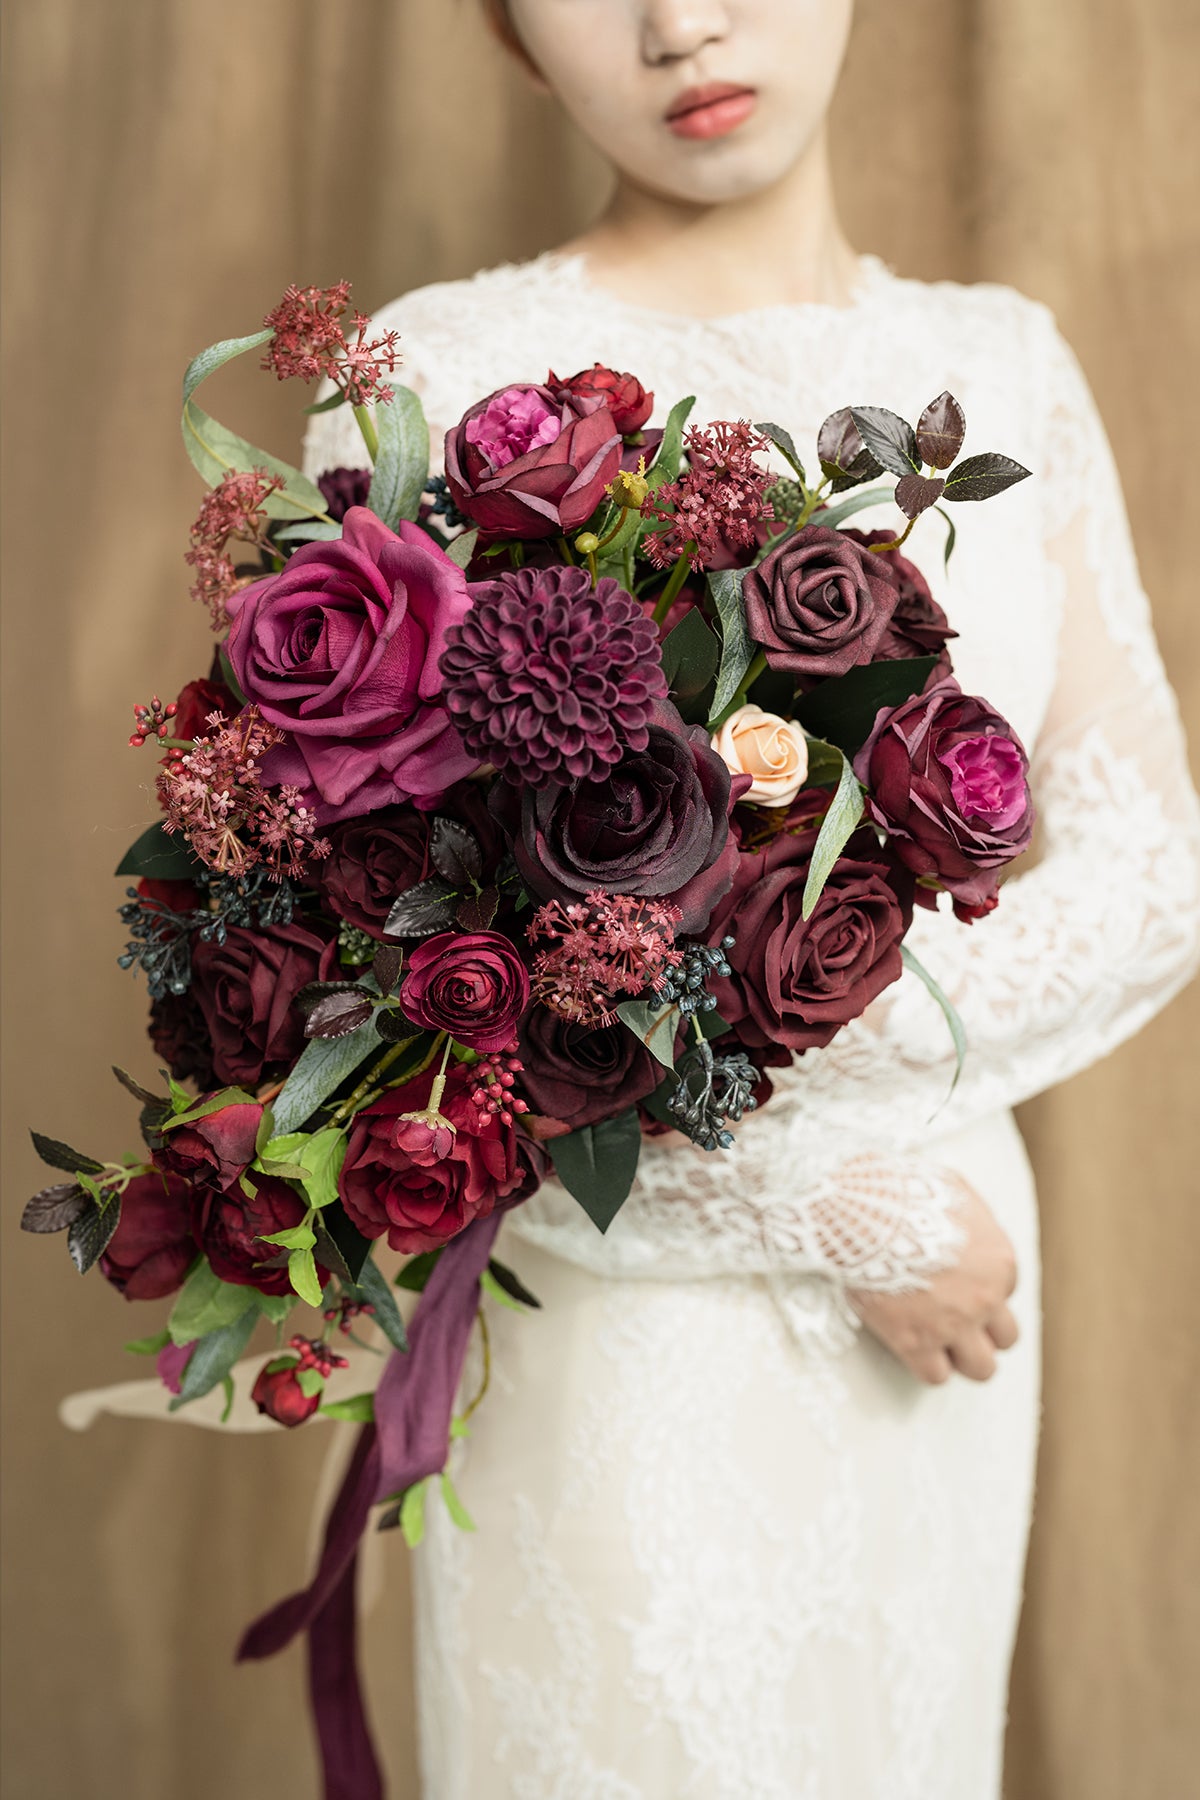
{"x": 524, "y": 464}
{"x": 277, "y": 1392}
{"x": 471, "y": 984}
{"x": 624, "y": 395}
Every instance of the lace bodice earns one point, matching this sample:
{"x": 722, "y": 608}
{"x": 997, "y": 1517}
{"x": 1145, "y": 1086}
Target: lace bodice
{"x": 839, "y": 1175}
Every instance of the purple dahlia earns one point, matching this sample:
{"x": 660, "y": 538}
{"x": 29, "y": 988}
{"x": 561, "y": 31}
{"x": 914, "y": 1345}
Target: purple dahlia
{"x": 551, "y": 679}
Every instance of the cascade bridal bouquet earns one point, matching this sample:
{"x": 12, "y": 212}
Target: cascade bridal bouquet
{"x": 522, "y": 811}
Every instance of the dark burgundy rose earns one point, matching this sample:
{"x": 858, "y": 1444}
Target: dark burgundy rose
{"x": 195, "y": 702}
{"x": 245, "y": 988}
{"x": 344, "y": 488}
{"x": 656, "y": 825}
{"x": 371, "y": 862}
{"x": 217, "y": 1148}
{"x": 578, "y": 1075}
{"x": 819, "y": 604}
{"x": 471, "y": 984}
{"x": 524, "y": 464}
{"x": 796, "y": 982}
{"x": 420, "y": 1204}
{"x": 179, "y": 1032}
{"x": 231, "y": 1226}
{"x": 176, "y": 896}
{"x": 948, "y": 782}
{"x": 278, "y": 1394}
{"x": 918, "y": 627}
{"x": 152, "y": 1248}
{"x": 624, "y": 395}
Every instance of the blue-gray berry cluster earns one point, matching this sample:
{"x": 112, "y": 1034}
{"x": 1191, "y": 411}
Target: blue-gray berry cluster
{"x": 686, "y": 986}
{"x": 712, "y": 1089}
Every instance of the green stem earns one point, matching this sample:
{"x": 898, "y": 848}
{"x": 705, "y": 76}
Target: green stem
{"x": 368, "y": 1081}
{"x": 439, "y": 1080}
{"x": 592, "y": 570}
{"x": 486, "y": 1345}
{"x": 370, "y": 436}
{"x": 752, "y": 674}
{"x": 675, "y": 581}
{"x": 565, "y": 551}
{"x": 896, "y": 543}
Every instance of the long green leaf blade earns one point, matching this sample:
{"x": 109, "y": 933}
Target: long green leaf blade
{"x": 957, "y": 1029}
{"x": 737, "y": 646}
{"x": 844, "y": 813}
{"x": 323, "y": 1065}
{"x": 402, "y": 465}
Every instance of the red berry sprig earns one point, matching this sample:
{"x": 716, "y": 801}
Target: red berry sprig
{"x": 492, "y": 1079}
{"x": 344, "y": 1311}
{"x": 152, "y": 721}
{"x": 316, "y": 1355}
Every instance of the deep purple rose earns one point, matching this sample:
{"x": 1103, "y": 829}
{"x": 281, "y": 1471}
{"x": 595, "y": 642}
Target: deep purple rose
{"x": 656, "y": 825}
{"x": 216, "y": 1148}
{"x": 371, "y": 861}
{"x": 340, "y": 650}
{"x": 245, "y": 988}
{"x": 624, "y": 395}
{"x": 577, "y": 1075}
{"x": 421, "y": 1203}
{"x": 947, "y": 781}
{"x": 152, "y": 1248}
{"x": 232, "y": 1225}
{"x": 796, "y": 982}
{"x": 918, "y": 627}
{"x": 819, "y": 604}
{"x": 344, "y": 488}
{"x": 471, "y": 984}
{"x": 525, "y": 464}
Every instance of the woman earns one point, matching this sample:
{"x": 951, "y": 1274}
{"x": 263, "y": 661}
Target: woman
{"x": 732, "y": 1545}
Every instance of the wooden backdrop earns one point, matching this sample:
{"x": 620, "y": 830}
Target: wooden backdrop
{"x": 170, "y": 165}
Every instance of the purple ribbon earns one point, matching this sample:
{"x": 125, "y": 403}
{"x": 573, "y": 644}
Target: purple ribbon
{"x": 409, "y": 1441}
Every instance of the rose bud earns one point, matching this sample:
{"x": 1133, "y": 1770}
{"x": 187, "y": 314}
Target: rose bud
{"x": 216, "y": 1148}
{"x": 947, "y": 781}
{"x": 152, "y": 1248}
{"x": 524, "y": 464}
{"x": 196, "y": 701}
{"x": 624, "y": 395}
{"x": 819, "y": 604}
{"x": 470, "y": 984}
{"x": 771, "y": 750}
{"x": 277, "y": 1392}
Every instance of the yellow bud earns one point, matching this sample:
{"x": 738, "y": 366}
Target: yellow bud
{"x": 629, "y": 488}
{"x": 587, "y": 543}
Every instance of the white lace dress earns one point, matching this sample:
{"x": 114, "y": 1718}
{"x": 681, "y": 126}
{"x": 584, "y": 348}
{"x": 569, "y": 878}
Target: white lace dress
{"x": 727, "y": 1549}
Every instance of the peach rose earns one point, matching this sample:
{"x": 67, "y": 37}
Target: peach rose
{"x": 771, "y": 750}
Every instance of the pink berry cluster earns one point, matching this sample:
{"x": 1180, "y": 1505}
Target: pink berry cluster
{"x": 233, "y": 509}
{"x": 345, "y": 1311}
{"x": 716, "y": 504}
{"x": 314, "y": 1354}
{"x": 310, "y": 341}
{"x": 151, "y": 721}
{"x": 491, "y": 1082}
{"x": 602, "y": 947}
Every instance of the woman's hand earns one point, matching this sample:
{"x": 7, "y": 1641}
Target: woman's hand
{"x": 962, "y": 1318}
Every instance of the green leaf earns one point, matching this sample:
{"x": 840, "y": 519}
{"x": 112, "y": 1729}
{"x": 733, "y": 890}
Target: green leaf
{"x": 832, "y": 516}
{"x": 200, "y": 1109}
{"x": 206, "y": 1304}
{"x": 415, "y": 1274}
{"x": 149, "y": 1346}
{"x": 227, "y": 1384}
{"x": 825, "y": 764}
{"x": 843, "y": 709}
{"x": 310, "y": 1382}
{"x": 213, "y": 1357}
{"x": 372, "y": 1287}
{"x": 321, "y": 1159}
{"x": 296, "y": 1237}
{"x": 665, "y": 466}
{"x": 331, "y": 404}
{"x": 597, "y": 1165}
{"x": 844, "y": 813}
{"x": 214, "y": 450}
{"x": 951, "y": 536}
{"x": 737, "y": 646}
{"x": 359, "y": 1408}
{"x": 351, "y": 1245}
{"x": 302, "y": 1273}
{"x": 654, "y": 1024}
{"x": 512, "y": 1284}
{"x": 217, "y": 355}
{"x": 323, "y": 1065}
{"x": 782, "y": 440}
{"x": 283, "y": 1148}
{"x": 275, "y": 1307}
{"x": 459, "y": 1428}
{"x": 461, "y": 549}
{"x": 890, "y": 439}
{"x": 689, "y": 656}
{"x": 957, "y": 1031}
{"x": 61, "y": 1156}
{"x": 454, "y": 1505}
{"x": 308, "y": 531}
{"x": 412, "y": 1514}
{"x": 162, "y": 855}
{"x": 490, "y": 1286}
{"x": 402, "y": 463}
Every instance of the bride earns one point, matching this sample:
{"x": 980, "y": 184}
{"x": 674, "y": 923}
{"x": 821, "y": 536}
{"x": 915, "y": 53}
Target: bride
{"x": 753, "y": 1487}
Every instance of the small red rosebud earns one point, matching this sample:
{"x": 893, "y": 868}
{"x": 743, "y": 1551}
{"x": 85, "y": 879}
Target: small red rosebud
{"x": 278, "y": 1394}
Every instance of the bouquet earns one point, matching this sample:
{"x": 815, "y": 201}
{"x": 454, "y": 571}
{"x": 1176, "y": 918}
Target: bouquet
{"x": 522, "y": 811}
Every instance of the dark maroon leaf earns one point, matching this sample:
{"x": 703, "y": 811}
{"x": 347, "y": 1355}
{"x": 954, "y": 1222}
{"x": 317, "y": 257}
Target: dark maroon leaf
{"x": 475, "y": 912}
{"x": 783, "y": 441}
{"x": 389, "y": 960}
{"x": 316, "y": 991}
{"x": 54, "y": 1208}
{"x": 843, "y": 455}
{"x": 423, "y": 909}
{"x": 137, "y": 1090}
{"x": 327, "y": 1252}
{"x": 915, "y": 492}
{"x": 393, "y": 1027}
{"x": 982, "y": 476}
{"x": 61, "y": 1156}
{"x": 455, "y": 852}
{"x": 389, "y": 1520}
{"x": 888, "y": 437}
{"x": 337, "y": 1014}
{"x": 941, "y": 429}
{"x": 89, "y": 1235}
{"x": 512, "y": 1284}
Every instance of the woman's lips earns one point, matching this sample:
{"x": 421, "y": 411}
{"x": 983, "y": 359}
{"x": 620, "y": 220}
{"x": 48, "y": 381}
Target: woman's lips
{"x": 710, "y": 111}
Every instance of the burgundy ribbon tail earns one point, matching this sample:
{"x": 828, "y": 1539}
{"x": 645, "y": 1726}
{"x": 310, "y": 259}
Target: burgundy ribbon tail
{"x": 409, "y": 1441}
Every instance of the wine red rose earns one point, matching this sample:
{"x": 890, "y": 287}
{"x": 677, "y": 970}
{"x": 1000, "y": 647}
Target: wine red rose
{"x": 245, "y": 988}
{"x": 578, "y": 1075}
{"x": 153, "y": 1247}
{"x": 471, "y": 984}
{"x": 196, "y": 701}
{"x": 524, "y": 464}
{"x": 179, "y": 1034}
{"x": 624, "y": 395}
{"x": 948, "y": 781}
{"x": 231, "y": 1226}
{"x": 819, "y": 604}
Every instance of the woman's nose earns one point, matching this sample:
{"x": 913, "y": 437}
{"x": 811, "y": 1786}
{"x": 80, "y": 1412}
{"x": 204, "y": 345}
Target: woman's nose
{"x": 673, "y": 30}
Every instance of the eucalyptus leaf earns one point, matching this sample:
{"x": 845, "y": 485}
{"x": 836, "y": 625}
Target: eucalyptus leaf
{"x": 461, "y": 549}
{"x": 162, "y": 855}
{"x": 217, "y": 355}
{"x": 308, "y": 531}
{"x": 323, "y": 1065}
{"x": 653, "y": 1024}
{"x": 372, "y": 1287}
{"x": 206, "y": 1303}
{"x": 402, "y": 461}
{"x": 665, "y": 466}
{"x": 213, "y": 1357}
{"x": 825, "y": 764}
{"x": 832, "y": 516}
{"x": 957, "y": 1030}
{"x": 737, "y": 646}
{"x": 597, "y": 1165}
{"x": 215, "y": 450}
{"x": 845, "y": 811}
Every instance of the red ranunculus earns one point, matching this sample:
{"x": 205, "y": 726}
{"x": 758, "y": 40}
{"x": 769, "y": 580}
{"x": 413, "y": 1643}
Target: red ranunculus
{"x": 215, "y": 1149}
{"x": 624, "y": 395}
{"x": 471, "y": 984}
{"x": 231, "y": 1226}
{"x": 152, "y": 1248}
{"x": 245, "y": 988}
{"x": 524, "y": 464}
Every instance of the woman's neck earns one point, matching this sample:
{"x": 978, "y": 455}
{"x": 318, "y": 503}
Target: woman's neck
{"x": 781, "y": 246}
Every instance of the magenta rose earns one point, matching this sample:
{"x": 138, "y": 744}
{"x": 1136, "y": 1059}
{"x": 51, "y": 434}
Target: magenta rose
{"x": 232, "y": 1225}
{"x": 471, "y": 984}
{"x": 152, "y": 1248}
{"x": 819, "y": 604}
{"x": 624, "y": 395}
{"x": 577, "y": 1075}
{"x": 340, "y": 650}
{"x": 420, "y": 1202}
{"x": 246, "y": 987}
{"x": 797, "y": 981}
{"x": 657, "y": 825}
{"x": 217, "y": 1148}
{"x": 525, "y": 464}
{"x": 278, "y": 1394}
{"x": 948, "y": 782}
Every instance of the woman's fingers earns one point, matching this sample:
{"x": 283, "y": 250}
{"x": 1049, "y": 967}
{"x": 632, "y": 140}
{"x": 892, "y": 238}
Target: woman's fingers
{"x": 931, "y": 1366}
{"x": 974, "y": 1355}
{"x": 1003, "y": 1329}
